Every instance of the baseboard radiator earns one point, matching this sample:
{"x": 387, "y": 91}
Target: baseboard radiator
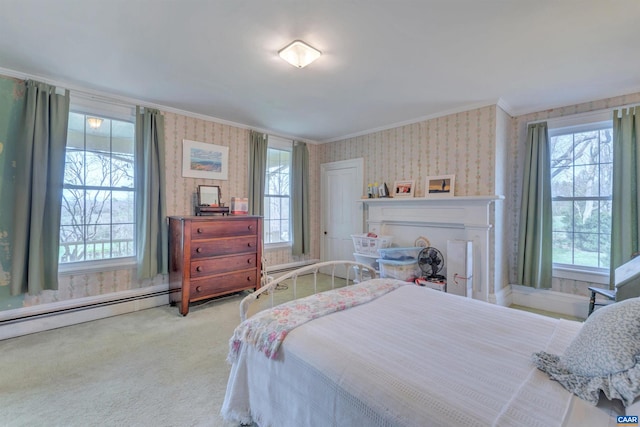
{"x": 28, "y": 320}
{"x": 549, "y": 300}
{"x": 281, "y": 269}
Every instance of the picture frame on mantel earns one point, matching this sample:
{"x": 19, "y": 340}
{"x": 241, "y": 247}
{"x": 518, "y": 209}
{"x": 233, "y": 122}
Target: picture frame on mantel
{"x": 203, "y": 160}
{"x": 403, "y": 189}
{"x": 440, "y": 186}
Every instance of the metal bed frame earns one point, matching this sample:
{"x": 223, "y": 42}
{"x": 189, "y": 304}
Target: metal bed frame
{"x": 359, "y": 270}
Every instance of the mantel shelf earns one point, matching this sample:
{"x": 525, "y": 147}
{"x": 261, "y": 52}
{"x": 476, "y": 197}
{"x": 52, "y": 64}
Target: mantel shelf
{"x": 435, "y": 200}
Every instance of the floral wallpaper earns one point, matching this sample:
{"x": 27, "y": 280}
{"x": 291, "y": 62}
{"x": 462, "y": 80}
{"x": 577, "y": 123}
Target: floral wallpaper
{"x": 483, "y": 147}
{"x": 462, "y": 144}
{"x": 181, "y": 191}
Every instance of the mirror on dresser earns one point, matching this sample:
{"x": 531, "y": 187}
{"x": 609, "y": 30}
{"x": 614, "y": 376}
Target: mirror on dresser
{"x": 209, "y": 201}
{"x": 209, "y": 195}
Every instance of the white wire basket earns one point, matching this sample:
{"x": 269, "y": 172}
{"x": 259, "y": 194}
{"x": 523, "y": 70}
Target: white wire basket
{"x": 364, "y": 244}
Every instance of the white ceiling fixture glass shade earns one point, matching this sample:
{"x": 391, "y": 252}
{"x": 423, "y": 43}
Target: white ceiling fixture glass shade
{"x": 299, "y": 54}
{"x": 94, "y": 122}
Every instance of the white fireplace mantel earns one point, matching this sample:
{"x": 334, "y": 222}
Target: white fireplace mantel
{"x": 464, "y": 217}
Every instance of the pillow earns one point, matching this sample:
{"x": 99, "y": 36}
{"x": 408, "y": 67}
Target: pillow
{"x": 604, "y": 356}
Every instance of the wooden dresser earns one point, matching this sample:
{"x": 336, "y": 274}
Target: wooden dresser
{"x": 211, "y": 256}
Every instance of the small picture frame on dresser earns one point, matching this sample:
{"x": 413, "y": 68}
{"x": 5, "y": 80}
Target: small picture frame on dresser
{"x": 239, "y": 205}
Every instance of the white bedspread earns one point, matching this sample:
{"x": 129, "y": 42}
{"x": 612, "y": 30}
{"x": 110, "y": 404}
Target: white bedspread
{"x": 413, "y": 357}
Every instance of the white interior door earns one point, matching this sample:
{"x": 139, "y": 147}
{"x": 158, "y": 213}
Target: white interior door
{"x": 342, "y": 184}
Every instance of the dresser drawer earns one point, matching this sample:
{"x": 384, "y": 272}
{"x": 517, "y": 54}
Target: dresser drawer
{"x": 225, "y": 283}
{"x": 226, "y": 246}
{"x": 215, "y": 229}
{"x": 209, "y": 266}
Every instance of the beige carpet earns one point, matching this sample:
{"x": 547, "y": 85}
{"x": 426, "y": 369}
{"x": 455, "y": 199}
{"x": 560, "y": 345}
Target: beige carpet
{"x": 148, "y": 368}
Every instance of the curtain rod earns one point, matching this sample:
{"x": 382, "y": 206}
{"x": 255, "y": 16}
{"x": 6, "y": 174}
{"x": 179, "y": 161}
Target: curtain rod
{"x": 585, "y": 113}
{"x": 628, "y": 107}
{"x": 82, "y": 94}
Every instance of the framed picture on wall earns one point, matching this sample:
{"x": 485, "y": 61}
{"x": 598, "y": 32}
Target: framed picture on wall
{"x": 403, "y": 189}
{"x": 440, "y": 186}
{"x": 203, "y": 160}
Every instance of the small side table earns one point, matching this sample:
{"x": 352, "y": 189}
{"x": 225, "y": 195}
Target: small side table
{"x": 609, "y": 294}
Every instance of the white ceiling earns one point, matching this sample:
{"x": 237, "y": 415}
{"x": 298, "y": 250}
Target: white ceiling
{"x": 384, "y": 63}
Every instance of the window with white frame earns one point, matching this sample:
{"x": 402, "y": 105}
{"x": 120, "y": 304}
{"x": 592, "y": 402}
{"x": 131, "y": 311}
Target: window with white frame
{"x": 581, "y": 187}
{"x": 98, "y": 199}
{"x": 277, "y": 206}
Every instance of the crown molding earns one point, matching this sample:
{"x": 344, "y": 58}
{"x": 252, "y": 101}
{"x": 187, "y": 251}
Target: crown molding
{"x": 132, "y": 102}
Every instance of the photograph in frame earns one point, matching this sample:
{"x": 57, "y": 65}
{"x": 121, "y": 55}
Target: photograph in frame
{"x": 403, "y": 189}
{"x": 440, "y": 186}
{"x": 203, "y": 160}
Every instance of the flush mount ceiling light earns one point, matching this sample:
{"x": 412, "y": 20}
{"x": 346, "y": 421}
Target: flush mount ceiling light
{"x": 94, "y": 122}
{"x": 299, "y": 54}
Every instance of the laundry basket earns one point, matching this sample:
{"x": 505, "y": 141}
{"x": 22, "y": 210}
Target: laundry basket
{"x": 367, "y": 245}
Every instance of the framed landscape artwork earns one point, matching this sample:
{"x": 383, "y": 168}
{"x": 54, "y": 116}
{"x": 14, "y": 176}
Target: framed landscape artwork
{"x": 202, "y": 160}
{"x": 440, "y": 186}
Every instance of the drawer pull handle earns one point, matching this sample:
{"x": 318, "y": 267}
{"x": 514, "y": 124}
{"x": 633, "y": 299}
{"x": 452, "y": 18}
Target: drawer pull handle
{"x": 249, "y": 260}
{"x": 198, "y": 288}
{"x": 198, "y": 268}
{"x": 250, "y": 227}
{"x": 250, "y": 244}
{"x": 199, "y": 230}
{"x": 248, "y": 278}
{"x": 199, "y": 250}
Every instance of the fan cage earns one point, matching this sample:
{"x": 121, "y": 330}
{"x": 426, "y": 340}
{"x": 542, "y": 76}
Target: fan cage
{"x": 427, "y": 268}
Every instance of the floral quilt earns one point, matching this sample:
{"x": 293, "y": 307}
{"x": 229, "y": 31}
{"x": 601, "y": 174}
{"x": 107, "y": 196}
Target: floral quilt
{"x": 268, "y": 329}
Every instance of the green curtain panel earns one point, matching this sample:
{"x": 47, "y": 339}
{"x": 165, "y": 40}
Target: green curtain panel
{"x": 39, "y": 175}
{"x": 300, "y": 199}
{"x": 535, "y": 239}
{"x": 625, "y": 206}
{"x": 151, "y": 211}
{"x": 258, "y": 144}
{"x": 12, "y": 104}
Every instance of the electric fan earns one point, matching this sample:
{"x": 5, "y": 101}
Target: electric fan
{"x": 431, "y": 262}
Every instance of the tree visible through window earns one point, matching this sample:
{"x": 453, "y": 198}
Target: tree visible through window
{"x": 98, "y": 200}
{"x": 581, "y": 182}
{"x": 277, "y": 196}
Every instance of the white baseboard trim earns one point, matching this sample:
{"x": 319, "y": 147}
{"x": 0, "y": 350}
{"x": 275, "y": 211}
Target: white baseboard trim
{"x": 28, "y": 320}
{"x": 548, "y": 300}
{"x": 276, "y": 271}
{"x": 502, "y": 297}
